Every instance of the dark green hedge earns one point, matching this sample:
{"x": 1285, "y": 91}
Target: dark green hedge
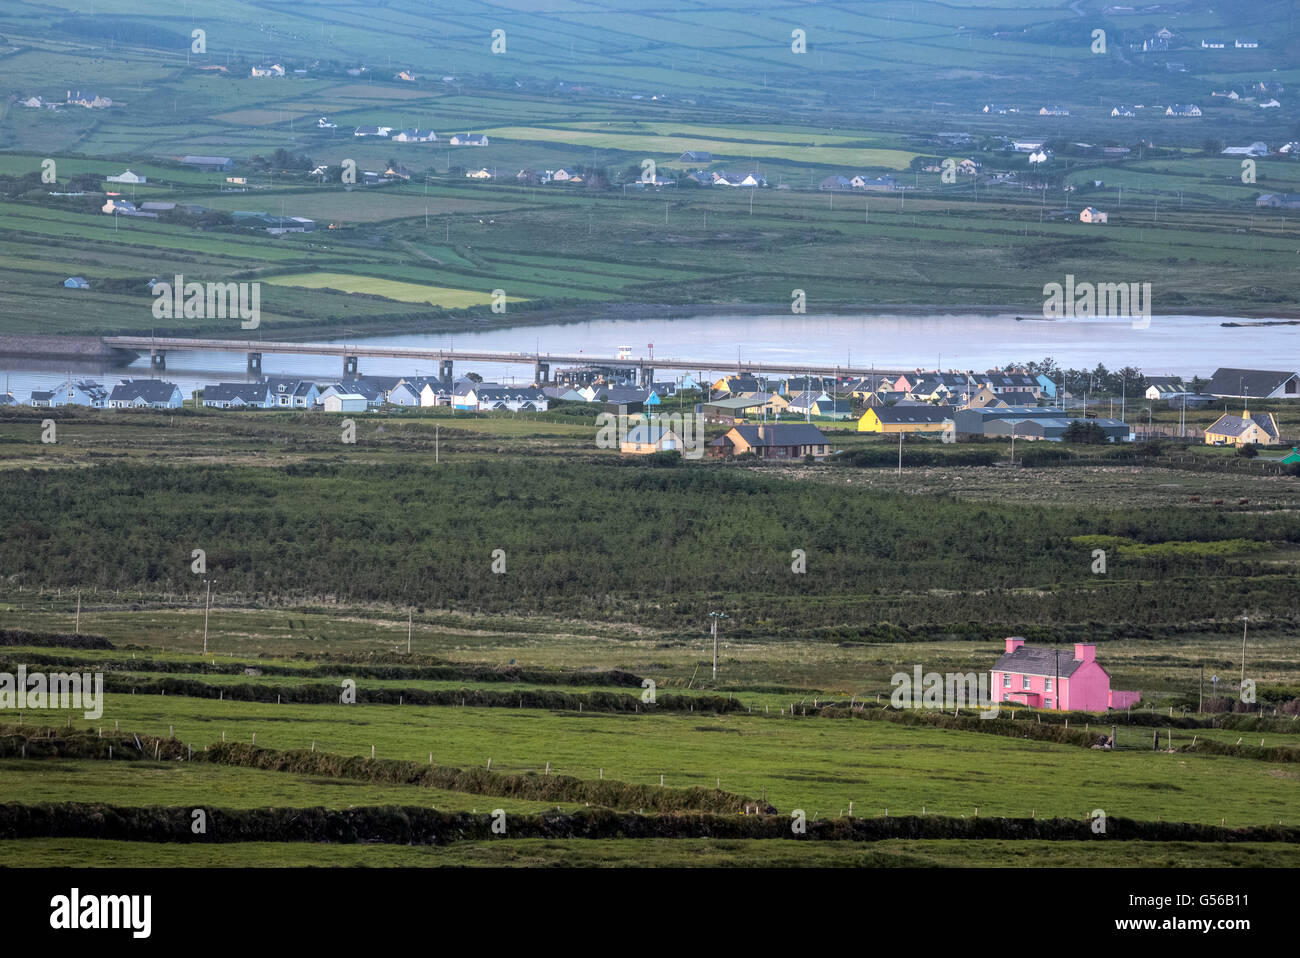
{"x": 406, "y": 825}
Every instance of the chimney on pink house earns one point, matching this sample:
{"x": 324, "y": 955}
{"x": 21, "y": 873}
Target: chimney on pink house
{"x": 1085, "y": 653}
{"x": 1013, "y": 644}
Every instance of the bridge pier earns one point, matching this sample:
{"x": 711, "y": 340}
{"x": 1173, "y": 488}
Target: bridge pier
{"x": 541, "y": 373}
{"x": 350, "y": 365}
{"x": 647, "y": 375}
{"x": 444, "y": 370}
{"x": 255, "y": 363}
{"x": 157, "y": 359}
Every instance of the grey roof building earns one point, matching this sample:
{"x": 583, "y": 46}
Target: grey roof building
{"x": 785, "y": 442}
{"x": 225, "y": 395}
{"x": 1238, "y": 426}
{"x": 1254, "y": 383}
{"x": 145, "y": 392}
{"x": 922, "y": 415}
{"x": 1031, "y": 660}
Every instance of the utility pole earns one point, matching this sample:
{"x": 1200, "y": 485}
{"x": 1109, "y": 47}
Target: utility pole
{"x": 1200, "y": 692}
{"x": 714, "y": 617}
{"x": 1245, "y": 621}
{"x": 408, "y": 631}
{"x": 76, "y": 629}
{"x": 900, "y": 453}
{"x": 207, "y": 606}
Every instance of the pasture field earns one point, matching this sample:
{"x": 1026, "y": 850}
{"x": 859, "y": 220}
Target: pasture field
{"x": 820, "y": 765}
{"x": 581, "y": 97}
{"x": 193, "y": 783}
{"x": 389, "y": 289}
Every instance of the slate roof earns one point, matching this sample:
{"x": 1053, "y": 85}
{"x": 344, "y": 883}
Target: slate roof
{"x": 740, "y": 384}
{"x": 149, "y": 390}
{"x": 739, "y": 402}
{"x": 647, "y": 434}
{"x": 228, "y": 392}
{"x": 929, "y": 382}
{"x": 805, "y": 400}
{"x": 92, "y": 389}
{"x": 290, "y": 387}
{"x": 1228, "y": 425}
{"x": 1256, "y": 383}
{"x": 1029, "y": 660}
{"x": 372, "y": 392}
{"x": 510, "y": 393}
{"x": 834, "y": 405}
{"x": 783, "y": 434}
{"x": 1000, "y": 380}
{"x": 384, "y": 383}
{"x": 619, "y": 394}
{"x": 912, "y": 415}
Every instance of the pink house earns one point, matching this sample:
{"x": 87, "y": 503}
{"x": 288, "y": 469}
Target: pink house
{"x": 1056, "y": 679}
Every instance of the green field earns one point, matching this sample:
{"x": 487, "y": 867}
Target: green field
{"x": 880, "y": 88}
{"x": 389, "y": 289}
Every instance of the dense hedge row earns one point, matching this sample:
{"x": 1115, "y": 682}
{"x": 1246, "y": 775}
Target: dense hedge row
{"x": 1235, "y": 721}
{"x": 41, "y": 741}
{"x": 477, "y": 781}
{"x": 330, "y": 694}
{"x": 406, "y": 825}
{"x": 61, "y": 639}
{"x": 913, "y": 456}
{"x": 342, "y": 668}
{"x": 45, "y": 742}
{"x": 1267, "y": 753}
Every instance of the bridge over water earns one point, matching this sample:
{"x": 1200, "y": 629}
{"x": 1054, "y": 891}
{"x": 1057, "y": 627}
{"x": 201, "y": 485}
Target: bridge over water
{"x": 351, "y": 355}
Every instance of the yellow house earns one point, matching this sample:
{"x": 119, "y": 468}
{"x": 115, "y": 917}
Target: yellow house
{"x": 1259, "y": 429}
{"x": 896, "y": 419}
{"x": 773, "y": 403}
{"x": 643, "y": 440}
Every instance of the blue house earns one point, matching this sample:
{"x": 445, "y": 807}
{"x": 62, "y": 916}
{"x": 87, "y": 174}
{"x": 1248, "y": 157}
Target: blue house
{"x": 1049, "y": 387}
{"x": 292, "y": 393}
{"x": 141, "y": 393}
{"x": 81, "y": 393}
{"x": 237, "y": 396}
{"x": 407, "y": 392}
{"x": 76, "y": 282}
